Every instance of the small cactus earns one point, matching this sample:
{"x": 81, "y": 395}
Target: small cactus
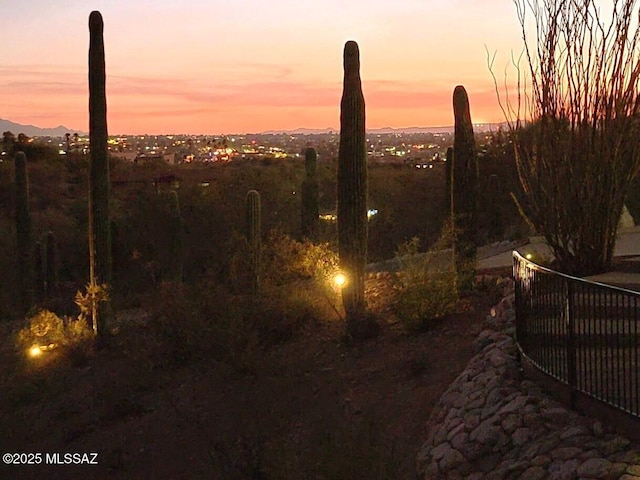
{"x": 24, "y": 232}
{"x": 464, "y": 192}
{"x": 254, "y": 237}
{"x": 309, "y": 193}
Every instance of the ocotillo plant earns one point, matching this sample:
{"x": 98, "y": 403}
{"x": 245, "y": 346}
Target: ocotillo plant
{"x": 99, "y": 235}
{"x": 23, "y": 231}
{"x": 51, "y": 272}
{"x": 175, "y": 228}
{"x": 464, "y": 192}
{"x": 352, "y": 191}
{"x": 254, "y": 237}
{"x": 309, "y": 193}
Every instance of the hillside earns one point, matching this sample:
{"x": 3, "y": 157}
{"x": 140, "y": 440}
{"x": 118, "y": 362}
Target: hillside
{"x": 33, "y": 131}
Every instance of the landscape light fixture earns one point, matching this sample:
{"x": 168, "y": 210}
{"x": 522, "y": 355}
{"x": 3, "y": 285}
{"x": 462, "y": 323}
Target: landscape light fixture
{"x": 35, "y": 351}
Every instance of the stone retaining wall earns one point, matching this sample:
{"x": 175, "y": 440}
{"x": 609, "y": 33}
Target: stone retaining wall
{"x": 493, "y": 424}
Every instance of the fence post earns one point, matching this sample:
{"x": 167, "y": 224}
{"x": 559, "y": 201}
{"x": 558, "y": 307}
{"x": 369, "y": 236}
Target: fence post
{"x": 518, "y": 280}
{"x": 571, "y": 346}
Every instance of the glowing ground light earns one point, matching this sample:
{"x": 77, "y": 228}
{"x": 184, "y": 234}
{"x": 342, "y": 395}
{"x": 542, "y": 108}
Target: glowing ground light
{"x": 339, "y": 280}
{"x": 35, "y": 351}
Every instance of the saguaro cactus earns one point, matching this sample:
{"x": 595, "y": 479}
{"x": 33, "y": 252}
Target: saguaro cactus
{"x": 464, "y": 192}
{"x": 309, "y": 193}
{"x": 352, "y": 190}
{"x": 175, "y": 228}
{"x": 51, "y": 272}
{"x": 99, "y": 234}
{"x": 23, "y": 231}
{"x": 254, "y": 237}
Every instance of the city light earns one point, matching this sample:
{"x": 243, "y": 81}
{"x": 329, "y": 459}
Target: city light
{"x": 339, "y": 279}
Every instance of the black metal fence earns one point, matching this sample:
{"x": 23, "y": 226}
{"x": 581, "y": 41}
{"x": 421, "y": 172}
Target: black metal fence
{"x": 584, "y": 334}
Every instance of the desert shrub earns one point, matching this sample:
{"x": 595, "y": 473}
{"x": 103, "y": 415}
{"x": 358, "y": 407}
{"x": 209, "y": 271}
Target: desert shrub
{"x": 299, "y": 278}
{"x": 200, "y": 323}
{"x": 222, "y": 321}
{"x": 47, "y": 331}
{"x": 93, "y": 296}
{"x": 287, "y": 260}
{"x": 423, "y": 291}
{"x": 283, "y": 313}
{"x": 210, "y": 323}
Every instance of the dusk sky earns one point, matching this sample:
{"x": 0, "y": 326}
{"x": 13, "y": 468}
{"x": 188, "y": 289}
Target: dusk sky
{"x": 238, "y": 66}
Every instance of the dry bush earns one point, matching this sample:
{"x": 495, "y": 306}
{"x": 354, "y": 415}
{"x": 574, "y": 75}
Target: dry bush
{"x": 46, "y": 332}
{"x": 423, "y": 292}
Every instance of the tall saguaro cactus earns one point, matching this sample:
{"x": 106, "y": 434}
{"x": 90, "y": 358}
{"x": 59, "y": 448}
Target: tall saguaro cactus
{"x": 309, "y": 192}
{"x": 254, "y": 237}
{"x": 464, "y": 192}
{"x": 24, "y": 233}
{"x": 99, "y": 226}
{"x": 352, "y": 190}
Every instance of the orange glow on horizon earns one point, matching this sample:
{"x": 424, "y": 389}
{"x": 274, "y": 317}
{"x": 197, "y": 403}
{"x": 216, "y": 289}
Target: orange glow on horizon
{"x": 169, "y": 71}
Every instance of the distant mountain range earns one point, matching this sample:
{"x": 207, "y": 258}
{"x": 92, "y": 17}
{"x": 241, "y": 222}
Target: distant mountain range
{"x": 33, "y": 131}
{"x": 478, "y": 127}
{"x": 61, "y": 130}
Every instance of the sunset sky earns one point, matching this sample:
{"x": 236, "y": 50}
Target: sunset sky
{"x": 238, "y": 66}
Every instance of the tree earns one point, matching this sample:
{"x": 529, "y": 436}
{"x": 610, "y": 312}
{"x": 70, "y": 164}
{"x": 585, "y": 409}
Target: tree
{"x": 23, "y": 139}
{"x": 8, "y": 139}
{"x": 576, "y": 147}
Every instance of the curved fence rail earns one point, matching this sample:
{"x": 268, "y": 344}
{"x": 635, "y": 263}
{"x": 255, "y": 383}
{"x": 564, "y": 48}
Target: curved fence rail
{"x": 584, "y": 334}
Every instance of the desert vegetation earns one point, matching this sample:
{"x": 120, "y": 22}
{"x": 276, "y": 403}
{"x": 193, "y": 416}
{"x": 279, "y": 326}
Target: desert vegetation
{"x": 575, "y": 126}
{"x": 182, "y": 304}
{"x": 217, "y": 286}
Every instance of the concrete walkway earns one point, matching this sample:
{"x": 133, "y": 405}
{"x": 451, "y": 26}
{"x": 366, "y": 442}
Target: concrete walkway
{"x": 500, "y": 255}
